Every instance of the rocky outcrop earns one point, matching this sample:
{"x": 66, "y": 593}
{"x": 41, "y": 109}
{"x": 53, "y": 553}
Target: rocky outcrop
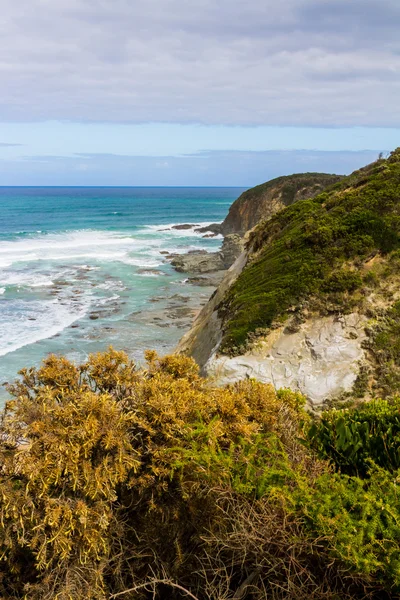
{"x": 232, "y": 247}
{"x": 214, "y": 228}
{"x": 260, "y": 202}
{"x": 263, "y": 201}
{"x": 183, "y": 226}
{"x": 204, "y": 337}
{"x": 320, "y": 360}
{"x": 320, "y": 357}
{"x": 198, "y": 262}
{"x": 201, "y": 261}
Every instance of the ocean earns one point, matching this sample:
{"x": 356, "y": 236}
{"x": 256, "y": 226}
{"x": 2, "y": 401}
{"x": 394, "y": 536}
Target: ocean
{"x": 83, "y": 268}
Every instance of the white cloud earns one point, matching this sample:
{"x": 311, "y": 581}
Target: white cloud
{"x": 298, "y": 62}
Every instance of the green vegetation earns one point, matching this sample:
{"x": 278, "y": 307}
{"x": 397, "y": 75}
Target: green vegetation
{"x": 384, "y": 342}
{"x": 360, "y": 519}
{"x": 358, "y": 507}
{"x": 291, "y": 185}
{"x": 119, "y": 482}
{"x": 351, "y": 438}
{"x": 315, "y": 249}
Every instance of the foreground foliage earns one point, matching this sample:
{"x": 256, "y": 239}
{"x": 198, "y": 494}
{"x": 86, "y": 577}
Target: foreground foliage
{"x": 352, "y": 439}
{"x": 119, "y": 482}
{"x": 361, "y": 520}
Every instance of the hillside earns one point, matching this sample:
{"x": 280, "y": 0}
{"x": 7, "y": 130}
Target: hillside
{"x": 263, "y": 201}
{"x": 314, "y": 279}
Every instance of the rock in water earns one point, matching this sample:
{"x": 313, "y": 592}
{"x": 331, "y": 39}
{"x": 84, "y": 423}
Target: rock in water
{"x": 198, "y": 262}
{"x": 214, "y": 228}
{"x": 184, "y": 226}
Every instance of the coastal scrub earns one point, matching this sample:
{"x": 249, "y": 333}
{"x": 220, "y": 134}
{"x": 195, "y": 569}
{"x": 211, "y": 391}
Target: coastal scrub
{"x": 314, "y": 250}
{"x": 141, "y": 483}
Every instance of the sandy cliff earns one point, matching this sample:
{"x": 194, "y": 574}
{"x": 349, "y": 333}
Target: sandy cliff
{"x": 312, "y": 302}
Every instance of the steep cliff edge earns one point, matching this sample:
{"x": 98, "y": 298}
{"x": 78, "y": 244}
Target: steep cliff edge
{"x": 263, "y": 201}
{"x": 312, "y": 303}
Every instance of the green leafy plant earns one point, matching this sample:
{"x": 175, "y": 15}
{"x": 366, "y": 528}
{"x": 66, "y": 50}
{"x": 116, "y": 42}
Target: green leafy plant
{"x": 104, "y": 454}
{"x": 353, "y": 439}
{"x": 360, "y": 521}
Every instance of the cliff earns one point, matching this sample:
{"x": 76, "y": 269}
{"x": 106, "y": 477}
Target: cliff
{"x": 263, "y": 201}
{"x": 311, "y": 303}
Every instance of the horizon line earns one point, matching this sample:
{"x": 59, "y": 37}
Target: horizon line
{"x": 124, "y": 186}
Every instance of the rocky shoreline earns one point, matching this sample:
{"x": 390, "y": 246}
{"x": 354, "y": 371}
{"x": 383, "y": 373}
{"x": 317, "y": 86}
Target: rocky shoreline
{"x": 212, "y": 270}
{"x": 201, "y": 261}
{"x": 204, "y": 270}
{"x": 177, "y": 309}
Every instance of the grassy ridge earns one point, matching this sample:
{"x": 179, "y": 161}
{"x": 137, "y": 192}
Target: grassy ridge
{"x": 291, "y": 184}
{"x": 255, "y": 204}
{"x": 305, "y": 248}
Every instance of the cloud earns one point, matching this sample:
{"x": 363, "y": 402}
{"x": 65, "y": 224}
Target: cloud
{"x": 298, "y": 62}
{"x": 7, "y": 145}
{"x": 223, "y": 168}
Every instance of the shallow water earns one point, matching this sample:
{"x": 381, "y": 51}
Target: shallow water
{"x": 81, "y": 268}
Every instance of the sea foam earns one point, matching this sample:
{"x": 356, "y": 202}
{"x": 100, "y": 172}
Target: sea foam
{"x": 26, "y": 322}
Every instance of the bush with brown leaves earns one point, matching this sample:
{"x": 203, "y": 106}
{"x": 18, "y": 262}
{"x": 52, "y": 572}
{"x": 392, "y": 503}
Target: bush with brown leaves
{"x": 151, "y": 482}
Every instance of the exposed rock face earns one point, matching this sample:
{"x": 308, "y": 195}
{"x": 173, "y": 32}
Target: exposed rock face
{"x": 263, "y": 201}
{"x": 321, "y": 360}
{"x": 198, "y": 262}
{"x": 208, "y": 262}
{"x": 203, "y": 339}
{"x": 232, "y": 247}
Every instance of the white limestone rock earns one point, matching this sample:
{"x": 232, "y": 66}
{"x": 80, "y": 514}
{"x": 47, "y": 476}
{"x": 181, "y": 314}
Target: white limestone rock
{"x": 320, "y": 360}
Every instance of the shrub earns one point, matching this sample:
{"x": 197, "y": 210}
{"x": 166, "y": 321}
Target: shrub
{"x": 360, "y": 519}
{"x": 342, "y": 280}
{"x": 105, "y": 456}
{"x": 354, "y": 438}
{"x": 64, "y": 451}
{"x": 152, "y": 483}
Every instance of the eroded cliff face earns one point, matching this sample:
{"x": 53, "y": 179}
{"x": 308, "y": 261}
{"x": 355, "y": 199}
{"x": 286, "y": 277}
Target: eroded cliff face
{"x": 203, "y": 339}
{"x": 313, "y": 302}
{"x": 263, "y": 201}
{"x": 322, "y": 360}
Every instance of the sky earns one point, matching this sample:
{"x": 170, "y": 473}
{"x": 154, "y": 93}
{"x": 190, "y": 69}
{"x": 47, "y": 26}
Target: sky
{"x": 199, "y": 92}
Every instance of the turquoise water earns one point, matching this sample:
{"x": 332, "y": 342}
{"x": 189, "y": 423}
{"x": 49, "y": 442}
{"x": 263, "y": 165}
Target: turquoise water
{"x": 81, "y": 268}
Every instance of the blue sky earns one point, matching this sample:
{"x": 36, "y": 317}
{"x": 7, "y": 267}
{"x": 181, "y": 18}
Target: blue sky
{"x": 203, "y": 93}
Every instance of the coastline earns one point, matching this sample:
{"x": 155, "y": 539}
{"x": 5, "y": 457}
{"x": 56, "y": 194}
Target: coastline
{"x": 173, "y": 301}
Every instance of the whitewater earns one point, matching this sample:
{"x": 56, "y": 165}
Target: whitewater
{"x": 83, "y": 268}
